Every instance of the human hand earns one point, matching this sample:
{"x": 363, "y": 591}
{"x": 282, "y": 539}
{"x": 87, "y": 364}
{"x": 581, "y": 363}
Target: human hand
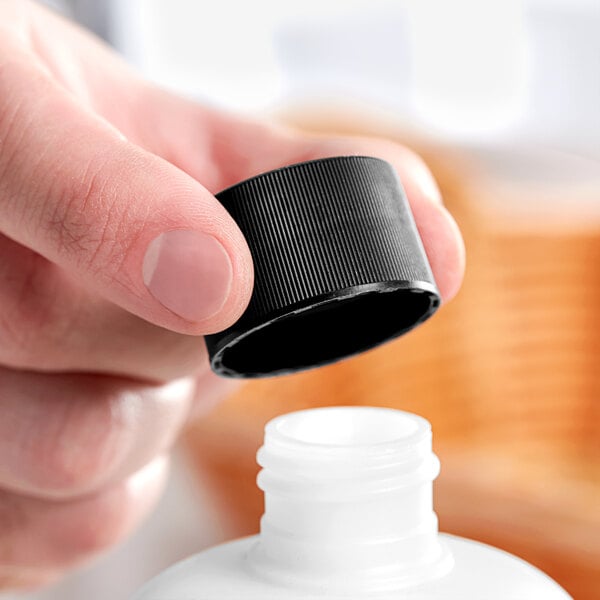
{"x": 116, "y": 257}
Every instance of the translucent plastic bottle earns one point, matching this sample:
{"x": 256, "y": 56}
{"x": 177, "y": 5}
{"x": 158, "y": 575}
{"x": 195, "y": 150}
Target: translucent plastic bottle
{"x": 349, "y": 515}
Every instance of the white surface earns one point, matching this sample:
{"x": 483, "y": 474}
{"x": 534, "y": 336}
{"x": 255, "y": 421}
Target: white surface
{"x": 349, "y": 514}
{"x": 480, "y": 573}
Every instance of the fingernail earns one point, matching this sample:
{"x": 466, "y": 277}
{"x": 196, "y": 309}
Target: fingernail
{"x": 188, "y": 272}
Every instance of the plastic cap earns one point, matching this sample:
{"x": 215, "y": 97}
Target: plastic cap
{"x": 339, "y": 267}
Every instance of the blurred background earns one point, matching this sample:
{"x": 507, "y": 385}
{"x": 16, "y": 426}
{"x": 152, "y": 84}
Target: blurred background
{"x": 502, "y": 100}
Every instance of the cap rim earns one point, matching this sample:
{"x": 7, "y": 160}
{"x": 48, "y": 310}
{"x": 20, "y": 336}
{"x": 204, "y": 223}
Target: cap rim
{"x": 297, "y": 167}
{"x": 242, "y": 331}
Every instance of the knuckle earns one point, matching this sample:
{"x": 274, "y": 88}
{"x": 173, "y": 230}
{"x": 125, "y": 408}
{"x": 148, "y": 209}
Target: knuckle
{"x": 88, "y": 215}
{"x": 80, "y": 218}
{"x": 32, "y": 322}
{"x": 82, "y": 450}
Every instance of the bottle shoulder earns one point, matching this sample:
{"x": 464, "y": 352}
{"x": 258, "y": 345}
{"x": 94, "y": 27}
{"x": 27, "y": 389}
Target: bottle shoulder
{"x": 479, "y": 571}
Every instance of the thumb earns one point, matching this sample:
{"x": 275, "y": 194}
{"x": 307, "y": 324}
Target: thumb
{"x": 121, "y": 221}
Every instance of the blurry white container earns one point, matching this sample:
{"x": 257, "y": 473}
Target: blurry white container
{"x": 462, "y": 71}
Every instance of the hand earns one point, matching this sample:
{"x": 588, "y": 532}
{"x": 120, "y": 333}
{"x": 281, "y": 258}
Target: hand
{"x": 115, "y": 258}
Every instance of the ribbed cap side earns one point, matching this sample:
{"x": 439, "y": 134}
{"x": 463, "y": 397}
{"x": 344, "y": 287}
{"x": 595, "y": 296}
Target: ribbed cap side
{"x": 320, "y": 227}
{"x": 323, "y": 226}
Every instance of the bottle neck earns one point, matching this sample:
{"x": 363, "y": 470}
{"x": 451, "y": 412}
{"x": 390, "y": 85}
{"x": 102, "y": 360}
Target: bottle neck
{"x": 348, "y": 500}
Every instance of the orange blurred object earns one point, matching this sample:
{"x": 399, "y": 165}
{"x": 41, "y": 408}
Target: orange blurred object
{"x": 508, "y": 374}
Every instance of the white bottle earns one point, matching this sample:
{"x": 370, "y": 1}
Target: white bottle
{"x": 349, "y": 516}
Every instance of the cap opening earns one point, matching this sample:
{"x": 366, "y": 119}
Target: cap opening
{"x": 347, "y": 426}
{"x": 327, "y": 331}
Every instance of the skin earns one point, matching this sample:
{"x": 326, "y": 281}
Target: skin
{"x": 97, "y": 377}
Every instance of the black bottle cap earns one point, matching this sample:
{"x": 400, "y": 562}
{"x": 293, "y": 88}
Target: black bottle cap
{"x": 339, "y": 267}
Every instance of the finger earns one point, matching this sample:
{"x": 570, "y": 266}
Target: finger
{"x": 221, "y": 149}
{"x": 41, "y": 538}
{"x": 127, "y": 224}
{"x": 62, "y": 436}
{"x": 49, "y": 323}
{"x": 440, "y": 234}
